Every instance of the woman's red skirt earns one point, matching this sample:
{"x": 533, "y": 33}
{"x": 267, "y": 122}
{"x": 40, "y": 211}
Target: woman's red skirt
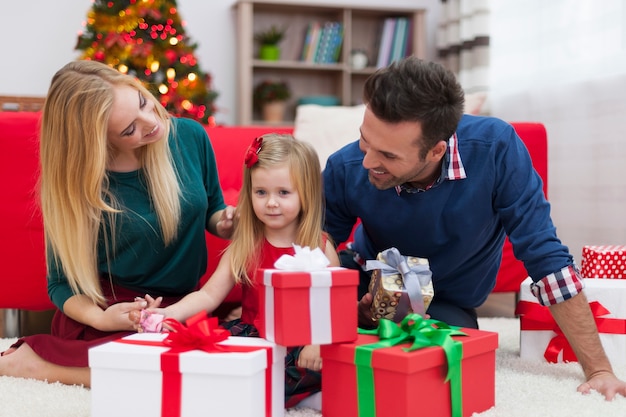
{"x": 69, "y": 341}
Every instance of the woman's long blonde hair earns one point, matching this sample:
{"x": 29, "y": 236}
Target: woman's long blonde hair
{"x": 304, "y": 168}
{"x": 74, "y": 183}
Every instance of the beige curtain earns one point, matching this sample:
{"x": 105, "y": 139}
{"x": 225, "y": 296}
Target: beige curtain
{"x": 463, "y": 45}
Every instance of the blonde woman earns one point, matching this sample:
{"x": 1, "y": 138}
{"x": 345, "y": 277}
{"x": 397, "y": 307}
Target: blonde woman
{"x": 127, "y": 193}
{"x": 280, "y": 204}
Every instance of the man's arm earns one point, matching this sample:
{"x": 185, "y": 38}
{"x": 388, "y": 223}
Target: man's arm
{"x": 575, "y": 319}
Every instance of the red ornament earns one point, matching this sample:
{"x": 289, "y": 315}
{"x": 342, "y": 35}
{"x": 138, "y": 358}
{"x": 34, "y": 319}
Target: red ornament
{"x": 171, "y": 56}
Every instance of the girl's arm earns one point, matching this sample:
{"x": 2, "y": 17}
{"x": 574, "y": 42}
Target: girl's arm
{"x": 207, "y": 298}
{"x": 331, "y": 253}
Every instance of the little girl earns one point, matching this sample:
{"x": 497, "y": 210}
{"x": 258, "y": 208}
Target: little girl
{"x": 280, "y": 204}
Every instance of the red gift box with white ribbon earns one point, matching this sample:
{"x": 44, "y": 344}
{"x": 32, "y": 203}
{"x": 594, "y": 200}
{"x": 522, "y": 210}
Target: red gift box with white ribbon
{"x": 299, "y": 308}
{"x": 604, "y": 261}
{"x": 142, "y": 375}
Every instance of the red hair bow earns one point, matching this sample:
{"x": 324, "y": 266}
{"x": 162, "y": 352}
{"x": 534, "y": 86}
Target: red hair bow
{"x": 252, "y": 155}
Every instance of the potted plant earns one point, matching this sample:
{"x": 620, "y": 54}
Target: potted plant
{"x": 269, "y": 97}
{"x": 268, "y": 42}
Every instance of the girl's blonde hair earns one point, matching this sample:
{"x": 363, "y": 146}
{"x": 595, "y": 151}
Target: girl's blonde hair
{"x": 75, "y": 196}
{"x": 304, "y": 168}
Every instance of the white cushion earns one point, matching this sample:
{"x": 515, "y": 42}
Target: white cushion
{"x": 328, "y": 128}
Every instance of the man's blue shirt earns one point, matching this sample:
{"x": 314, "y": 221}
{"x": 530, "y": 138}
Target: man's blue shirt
{"x": 460, "y": 224}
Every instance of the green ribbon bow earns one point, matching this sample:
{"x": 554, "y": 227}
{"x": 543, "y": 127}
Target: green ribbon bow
{"x": 424, "y": 333}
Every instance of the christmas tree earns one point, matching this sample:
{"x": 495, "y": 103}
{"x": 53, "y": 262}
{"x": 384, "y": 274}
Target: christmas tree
{"x": 146, "y": 38}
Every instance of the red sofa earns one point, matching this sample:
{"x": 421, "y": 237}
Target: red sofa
{"x": 22, "y": 280}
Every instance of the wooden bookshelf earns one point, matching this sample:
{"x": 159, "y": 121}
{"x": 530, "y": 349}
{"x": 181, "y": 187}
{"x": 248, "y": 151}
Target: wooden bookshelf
{"x": 362, "y": 29}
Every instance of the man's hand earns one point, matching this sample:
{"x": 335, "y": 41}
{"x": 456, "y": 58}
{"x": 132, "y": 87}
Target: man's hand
{"x": 605, "y": 383}
{"x": 365, "y": 314}
{"x": 574, "y": 317}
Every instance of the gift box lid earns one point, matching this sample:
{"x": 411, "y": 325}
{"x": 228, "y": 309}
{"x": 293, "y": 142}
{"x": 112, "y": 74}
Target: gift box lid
{"x": 600, "y": 284}
{"x": 339, "y": 277}
{"x": 610, "y": 249}
{"x": 116, "y": 355}
{"x": 609, "y": 292}
{"x": 396, "y": 359}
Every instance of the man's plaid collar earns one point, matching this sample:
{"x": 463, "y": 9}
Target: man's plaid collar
{"x": 453, "y": 170}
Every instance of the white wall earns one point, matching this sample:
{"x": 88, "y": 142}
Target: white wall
{"x": 40, "y": 36}
{"x": 563, "y": 63}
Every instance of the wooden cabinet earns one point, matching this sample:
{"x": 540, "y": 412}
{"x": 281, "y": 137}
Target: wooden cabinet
{"x": 362, "y": 29}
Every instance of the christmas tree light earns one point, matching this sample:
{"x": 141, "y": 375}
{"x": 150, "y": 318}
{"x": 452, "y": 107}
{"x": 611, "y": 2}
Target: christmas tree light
{"x": 146, "y": 39}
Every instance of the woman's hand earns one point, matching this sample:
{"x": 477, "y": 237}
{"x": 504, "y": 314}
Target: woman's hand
{"x": 225, "y": 222}
{"x": 141, "y": 318}
{"x": 310, "y": 358}
{"x": 152, "y": 302}
{"x": 118, "y": 316}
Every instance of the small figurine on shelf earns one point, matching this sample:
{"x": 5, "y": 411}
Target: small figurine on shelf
{"x": 268, "y": 42}
{"x": 270, "y": 98}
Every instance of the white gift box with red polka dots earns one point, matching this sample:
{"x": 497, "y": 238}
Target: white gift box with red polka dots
{"x": 605, "y": 261}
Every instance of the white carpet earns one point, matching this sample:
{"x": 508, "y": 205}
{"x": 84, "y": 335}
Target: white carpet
{"x": 523, "y": 388}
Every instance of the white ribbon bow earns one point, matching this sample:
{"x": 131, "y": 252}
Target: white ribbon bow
{"x": 305, "y": 259}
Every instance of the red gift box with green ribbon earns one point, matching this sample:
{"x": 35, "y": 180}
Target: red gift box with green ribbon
{"x": 195, "y": 370}
{"x": 418, "y": 367}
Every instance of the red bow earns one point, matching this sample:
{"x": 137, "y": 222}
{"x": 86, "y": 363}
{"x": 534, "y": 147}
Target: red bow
{"x": 538, "y": 317}
{"x": 201, "y": 332}
{"x": 252, "y": 155}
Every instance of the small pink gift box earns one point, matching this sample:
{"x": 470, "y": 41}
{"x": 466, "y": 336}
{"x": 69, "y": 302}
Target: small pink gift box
{"x": 302, "y": 308}
{"x": 608, "y": 261}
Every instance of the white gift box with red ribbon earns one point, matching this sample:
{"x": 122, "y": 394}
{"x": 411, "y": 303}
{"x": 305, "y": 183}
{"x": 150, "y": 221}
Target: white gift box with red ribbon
{"x": 128, "y": 379}
{"x": 540, "y": 337}
{"x": 303, "y": 302}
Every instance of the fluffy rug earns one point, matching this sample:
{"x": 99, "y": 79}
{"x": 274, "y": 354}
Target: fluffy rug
{"x": 523, "y": 388}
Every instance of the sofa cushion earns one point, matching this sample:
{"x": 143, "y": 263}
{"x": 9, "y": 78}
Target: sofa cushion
{"x": 21, "y": 228}
{"x": 327, "y": 128}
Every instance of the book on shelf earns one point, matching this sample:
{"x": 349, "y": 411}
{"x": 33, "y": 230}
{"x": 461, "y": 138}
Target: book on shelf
{"x": 395, "y": 40}
{"x": 322, "y": 43}
{"x": 408, "y": 47}
{"x": 311, "y": 39}
{"x": 386, "y": 40}
{"x": 399, "y": 39}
